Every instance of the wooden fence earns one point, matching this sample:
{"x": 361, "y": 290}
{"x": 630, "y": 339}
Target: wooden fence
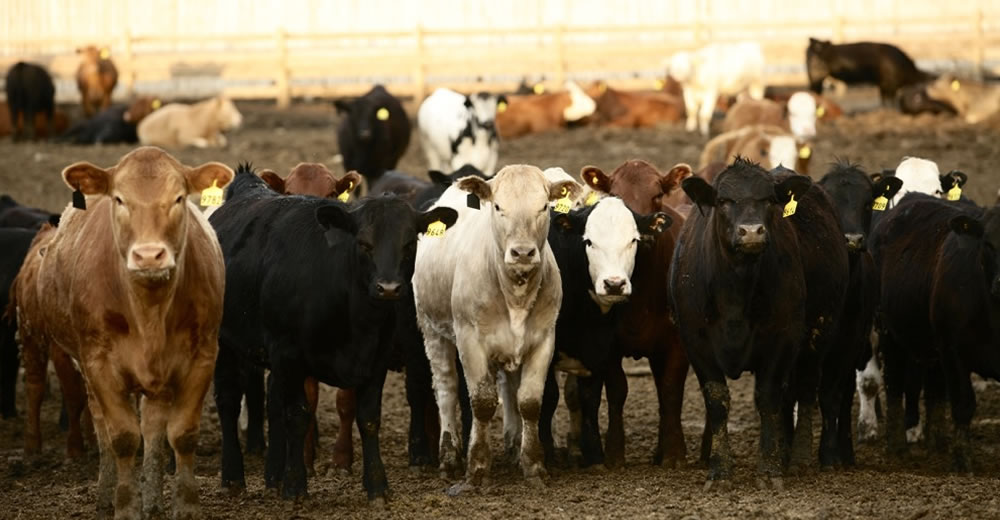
{"x": 283, "y": 65}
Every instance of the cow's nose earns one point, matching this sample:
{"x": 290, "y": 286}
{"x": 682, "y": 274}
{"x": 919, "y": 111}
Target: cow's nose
{"x": 614, "y": 286}
{"x": 388, "y": 290}
{"x": 523, "y": 254}
{"x": 151, "y": 256}
{"x": 854, "y": 241}
{"x": 751, "y": 237}
{"x": 365, "y": 134}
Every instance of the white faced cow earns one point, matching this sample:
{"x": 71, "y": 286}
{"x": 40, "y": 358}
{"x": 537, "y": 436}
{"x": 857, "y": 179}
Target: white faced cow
{"x": 718, "y": 69}
{"x": 491, "y": 288}
{"x": 456, "y": 130}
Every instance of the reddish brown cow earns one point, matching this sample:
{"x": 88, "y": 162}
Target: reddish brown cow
{"x": 634, "y": 109}
{"x": 42, "y": 131}
{"x": 96, "y": 77}
{"x": 646, "y": 327}
{"x": 543, "y": 112}
{"x": 150, "y": 328}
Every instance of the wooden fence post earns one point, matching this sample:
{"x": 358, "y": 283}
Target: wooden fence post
{"x": 128, "y": 60}
{"x": 282, "y": 82}
{"x": 419, "y": 86}
{"x": 560, "y": 75}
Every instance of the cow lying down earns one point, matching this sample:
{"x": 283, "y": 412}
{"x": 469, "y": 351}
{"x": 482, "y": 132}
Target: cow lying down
{"x": 200, "y": 125}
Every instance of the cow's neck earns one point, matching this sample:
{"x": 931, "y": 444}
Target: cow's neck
{"x": 519, "y": 288}
{"x": 150, "y": 304}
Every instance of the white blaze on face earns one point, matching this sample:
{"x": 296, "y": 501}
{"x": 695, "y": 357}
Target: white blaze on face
{"x": 580, "y": 104}
{"x": 802, "y": 115}
{"x": 783, "y": 152}
{"x": 613, "y": 240}
{"x": 919, "y": 175}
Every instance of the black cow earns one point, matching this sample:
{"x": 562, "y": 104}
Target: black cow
{"x": 373, "y": 133}
{"x": 321, "y": 305}
{"x": 14, "y": 244}
{"x": 30, "y": 91}
{"x": 14, "y": 215}
{"x": 880, "y": 64}
{"x": 755, "y": 291}
{"x": 965, "y": 316}
{"x": 905, "y": 245}
{"x": 107, "y": 126}
{"x": 853, "y": 194}
{"x": 913, "y": 100}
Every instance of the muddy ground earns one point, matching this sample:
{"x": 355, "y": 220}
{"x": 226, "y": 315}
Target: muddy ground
{"x": 919, "y": 486}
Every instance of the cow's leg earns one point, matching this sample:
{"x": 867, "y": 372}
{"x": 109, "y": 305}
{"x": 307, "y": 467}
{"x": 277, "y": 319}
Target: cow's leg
{"x": 845, "y": 439}
{"x": 441, "y": 355}
{"x": 343, "y": 448}
{"x": 806, "y": 378}
{"x": 369, "y": 419}
{"x": 74, "y": 399}
{"x": 706, "y": 111}
{"x": 616, "y": 386}
{"x": 550, "y": 401}
{"x": 423, "y": 412}
{"x": 122, "y": 428}
{"x": 253, "y": 389}
{"x": 509, "y": 383}
{"x": 716, "y": 395}
{"x": 183, "y": 425}
{"x": 228, "y": 397}
{"x": 834, "y": 381}
{"x": 288, "y": 417}
{"x": 36, "y": 361}
{"x": 963, "y": 407}
{"x": 571, "y": 397}
{"x": 590, "y": 429}
{"x": 483, "y": 398}
{"x": 669, "y": 372}
{"x": 691, "y": 108}
{"x": 465, "y": 407}
{"x": 8, "y": 371}
{"x": 29, "y": 124}
{"x": 934, "y": 401}
{"x": 529, "y": 402}
{"x": 106, "y": 473}
{"x": 311, "y": 389}
{"x": 153, "y": 420}
{"x": 869, "y": 381}
{"x": 769, "y": 397}
{"x": 895, "y": 369}
{"x": 15, "y": 114}
{"x": 914, "y": 385}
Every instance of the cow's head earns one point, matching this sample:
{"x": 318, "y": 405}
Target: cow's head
{"x": 369, "y": 112}
{"x": 642, "y": 187}
{"x": 853, "y": 194}
{"x": 819, "y": 46}
{"x": 801, "y": 108}
{"x": 580, "y": 104}
{"x": 482, "y": 107}
{"x": 517, "y": 200}
{"x": 384, "y": 230}
{"x": 611, "y": 233}
{"x": 312, "y": 179}
{"x": 986, "y": 231}
{"x": 952, "y": 90}
{"x": 147, "y": 192}
{"x": 951, "y": 180}
{"x": 919, "y": 175}
{"x": 227, "y": 117}
{"x": 744, "y": 201}
{"x": 140, "y": 108}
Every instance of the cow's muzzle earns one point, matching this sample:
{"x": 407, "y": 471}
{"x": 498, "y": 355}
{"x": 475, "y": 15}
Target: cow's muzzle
{"x": 751, "y": 238}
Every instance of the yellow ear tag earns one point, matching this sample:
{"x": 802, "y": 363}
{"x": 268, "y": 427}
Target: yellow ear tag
{"x": 955, "y": 192}
{"x": 156, "y": 104}
{"x": 880, "y": 203}
{"x": 955, "y": 85}
{"x": 346, "y": 195}
{"x": 436, "y": 229}
{"x": 602, "y": 88}
{"x": 502, "y": 106}
{"x": 105, "y": 54}
{"x": 563, "y": 205}
{"x": 382, "y": 114}
{"x": 790, "y": 207}
{"x": 820, "y": 111}
{"x": 592, "y": 199}
{"x": 538, "y": 88}
{"x": 658, "y": 84}
{"x": 805, "y": 152}
{"x": 212, "y": 195}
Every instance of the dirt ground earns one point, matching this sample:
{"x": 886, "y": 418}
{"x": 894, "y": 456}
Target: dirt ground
{"x": 919, "y": 486}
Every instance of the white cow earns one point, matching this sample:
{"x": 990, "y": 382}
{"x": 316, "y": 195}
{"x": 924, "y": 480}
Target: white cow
{"x": 714, "y": 70}
{"x": 456, "y": 130}
{"x": 490, "y": 290}
{"x": 919, "y": 175}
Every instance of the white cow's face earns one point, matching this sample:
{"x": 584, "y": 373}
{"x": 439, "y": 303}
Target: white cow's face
{"x": 611, "y": 238}
{"x": 484, "y": 107}
{"x": 919, "y": 175}
{"x": 517, "y": 200}
{"x": 783, "y": 152}
{"x": 802, "y": 115}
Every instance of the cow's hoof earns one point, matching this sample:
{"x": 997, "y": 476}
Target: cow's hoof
{"x": 234, "y": 487}
{"x": 720, "y": 486}
{"x": 535, "y": 482}
{"x": 775, "y": 483}
{"x": 462, "y": 488}
{"x": 378, "y": 503}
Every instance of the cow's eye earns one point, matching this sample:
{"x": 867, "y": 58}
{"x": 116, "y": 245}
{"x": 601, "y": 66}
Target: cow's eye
{"x": 497, "y": 207}
{"x": 118, "y": 200}
{"x": 180, "y": 198}
{"x": 587, "y": 242}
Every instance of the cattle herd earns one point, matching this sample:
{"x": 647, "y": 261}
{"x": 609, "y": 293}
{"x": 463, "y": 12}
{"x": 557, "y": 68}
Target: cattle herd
{"x": 488, "y": 282}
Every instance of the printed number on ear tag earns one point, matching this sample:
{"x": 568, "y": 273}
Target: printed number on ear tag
{"x": 382, "y": 114}
{"x": 591, "y": 199}
{"x": 436, "y": 229}
{"x": 564, "y": 204}
{"x": 880, "y": 203}
{"x": 955, "y": 193}
{"x": 790, "y": 207}
{"x": 212, "y": 195}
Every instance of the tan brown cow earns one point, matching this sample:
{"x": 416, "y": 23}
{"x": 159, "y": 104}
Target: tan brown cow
{"x": 132, "y": 289}
{"x": 766, "y": 145}
{"x": 623, "y": 109}
{"x": 312, "y": 179}
{"x": 201, "y": 125}
{"x": 96, "y": 77}
{"x": 543, "y": 112}
{"x": 797, "y": 115}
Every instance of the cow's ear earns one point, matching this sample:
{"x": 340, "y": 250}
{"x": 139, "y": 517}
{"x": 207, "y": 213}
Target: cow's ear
{"x": 445, "y": 215}
{"x": 439, "y": 178}
{"x": 966, "y": 225}
{"x": 335, "y": 216}
{"x": 887, "y": 187}
{"x": 273, "y": 180}
{"x": 793, "y": 185}
{"x": 347, "y": 184}
{"x": 653, "y": 224}
{"x": 468, "y": 102}
{"x": 565, "y": 189}
{"x": 343, "y": 106}
{"x": 951, "y": 178}
{"x": 477, "y": 186}
{"x": 674, "y": 177}
{"x": 701, "y": 192}
{"x": 595, "y": 178}
{"x": 54, "y": 220}
{"x": 572, "y": 222}
{"x": 87, "y": 178}
{"x": 207, "y": 175}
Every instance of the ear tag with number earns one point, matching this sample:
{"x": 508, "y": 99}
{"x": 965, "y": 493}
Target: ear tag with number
{"x": 212, "y": 195}
{"x": 346, "y": 195}
{"x": 591, "y": 199}
{"x": 382, "y": 114}
{"x": 805, "y": 152}
{"x": 79, "y": 201}
{"x": 955, "y": 193}
{"x": 880, "y": 203}
{"x": 790, "y": 207}
{"x": 436, "y": 229}
{"x": 563, "y": 205}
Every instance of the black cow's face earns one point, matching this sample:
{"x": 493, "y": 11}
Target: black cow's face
{"x": 385, "y": 230}
{"x": 364, "y": 114}
{"x": 853, "y": 195}
{"x": 745, "y": 200}
{"x": 987, "y": 231}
